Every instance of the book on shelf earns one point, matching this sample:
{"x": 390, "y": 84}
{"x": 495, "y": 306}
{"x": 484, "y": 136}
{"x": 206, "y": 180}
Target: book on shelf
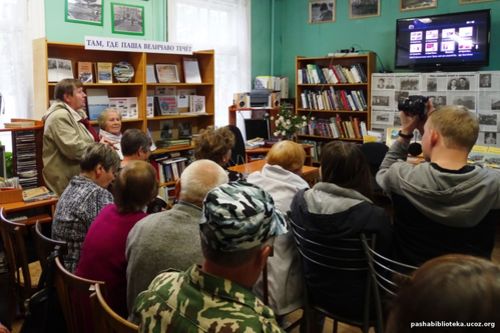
{"x": 167, "y": 105}
{"x": 127, "y": 106}
{"x": 85, "y": 74}
{"x": 197, "y": 104}
{"x": 167, "y": 73}
{"x": 19, "y": 124}
{"x": 184, "y": 129}
{"x": 104, "y": 72}
{"x": 183, "y": 99}
{"x": 97, "y": 101}
{"x": 173, "y": 143}
{"x": 165, "y": 91}
{"x": 150, "y": 106}
{"x": 59, "y": 69}
{"x": 150, "y": 74}
{"x": 191, "y": 70}
{"x": 167, "y": 130}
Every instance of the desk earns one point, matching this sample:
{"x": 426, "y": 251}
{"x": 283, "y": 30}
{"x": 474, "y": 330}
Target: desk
{"x": 252, "y": 152}
{"x": 309, "y": 173}
{"x": 42, "y": 210}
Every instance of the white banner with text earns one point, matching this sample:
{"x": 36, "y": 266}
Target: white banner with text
{"x": 133, "y": 45}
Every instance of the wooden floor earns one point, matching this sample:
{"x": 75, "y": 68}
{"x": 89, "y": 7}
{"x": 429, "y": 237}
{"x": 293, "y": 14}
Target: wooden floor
{"x": 328, "y": 323}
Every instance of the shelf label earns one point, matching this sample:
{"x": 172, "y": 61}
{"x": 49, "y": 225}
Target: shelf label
{"x": 136, "y": 45}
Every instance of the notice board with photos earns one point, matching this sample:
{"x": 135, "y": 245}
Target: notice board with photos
{"x": 478, "y": 91}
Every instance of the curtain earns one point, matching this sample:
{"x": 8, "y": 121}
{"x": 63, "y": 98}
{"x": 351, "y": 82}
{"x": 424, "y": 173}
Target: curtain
{"x": 18, "y": 20}
{"x": 222, "y": 25}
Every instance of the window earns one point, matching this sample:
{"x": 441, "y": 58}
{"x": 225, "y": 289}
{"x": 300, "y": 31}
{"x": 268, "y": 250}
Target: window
{"x": 222, "y": 25}
{"x": 16, "y": 79}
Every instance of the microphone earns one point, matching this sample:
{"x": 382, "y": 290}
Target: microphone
{"x": 415, "y": 149}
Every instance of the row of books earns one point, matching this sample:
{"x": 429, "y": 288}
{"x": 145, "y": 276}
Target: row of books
{"x": 169, "y": 73}
{"x": 331, "y": 99}
{"x": 314, "y": 74}
{"x": 25, "y": 158}
{"x": 315, "y": 149}
{"x": 336, "y": 127}
{"x": 175, "y": 104}
{"x": 98, "y": 100}
{"x": 169, "y": 166}
{"x": 87, "y": 72}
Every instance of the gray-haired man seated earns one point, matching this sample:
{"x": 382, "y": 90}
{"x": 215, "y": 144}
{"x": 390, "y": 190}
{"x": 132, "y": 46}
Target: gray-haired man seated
{"x": 238, "y": 221}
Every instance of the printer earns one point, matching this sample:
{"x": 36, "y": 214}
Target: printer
{"x": 264, "y": 98}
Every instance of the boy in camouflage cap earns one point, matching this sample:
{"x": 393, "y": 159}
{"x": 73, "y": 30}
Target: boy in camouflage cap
{"x": 238, "y": 221}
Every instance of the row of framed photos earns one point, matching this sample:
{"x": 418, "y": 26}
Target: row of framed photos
{"x": 125, "y": 18}
{"x": 323, "y": 11}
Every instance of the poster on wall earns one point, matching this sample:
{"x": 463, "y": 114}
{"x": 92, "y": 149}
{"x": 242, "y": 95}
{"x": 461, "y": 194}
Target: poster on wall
{"x": 321, "y": 11}
{"x": 86, "y": 12}
{"x": 127, "y": 19}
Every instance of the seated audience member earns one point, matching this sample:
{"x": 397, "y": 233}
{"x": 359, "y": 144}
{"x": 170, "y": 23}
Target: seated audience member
{"x": 448, "y": 289}
{"x": 280, "y": 177}
{"x": 170, "y": 239}
{"x": 239, "y": 220}
{"x": 84, "y": 198}
{"x": 442, "y": 205}
{"x": 216, "y": 144}
{"x": 103, "y": 252}
{"x": 110, "y": 126}
{"x": 340, "y": 206}
{"x": 66, "y": 135}
{"x": 135, "y": 145}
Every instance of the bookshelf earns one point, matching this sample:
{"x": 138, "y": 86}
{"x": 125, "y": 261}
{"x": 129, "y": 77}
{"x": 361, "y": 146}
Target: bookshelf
{"x": 335, "y": 91}
{"x": 27, "y": 161}
{"x": 139, "y": 87}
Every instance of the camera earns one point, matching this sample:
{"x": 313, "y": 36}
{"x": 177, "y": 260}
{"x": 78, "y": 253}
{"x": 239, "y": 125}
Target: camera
{"x": 414, "y": 105}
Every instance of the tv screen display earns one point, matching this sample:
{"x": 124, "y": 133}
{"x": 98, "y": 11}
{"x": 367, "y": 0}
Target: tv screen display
{"x": 444, "y": 41}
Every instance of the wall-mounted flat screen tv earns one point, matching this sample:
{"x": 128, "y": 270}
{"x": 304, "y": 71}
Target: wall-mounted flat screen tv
{"x": 440, "y": 42}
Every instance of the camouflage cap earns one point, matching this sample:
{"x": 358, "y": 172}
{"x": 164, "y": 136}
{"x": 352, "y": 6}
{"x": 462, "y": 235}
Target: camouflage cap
{"x": 239, "y": 216}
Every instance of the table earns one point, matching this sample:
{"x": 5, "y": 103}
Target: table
{"x": 42, "y": 210}
{"x": 252, "y": 152}
{"x": 309, "y": 173}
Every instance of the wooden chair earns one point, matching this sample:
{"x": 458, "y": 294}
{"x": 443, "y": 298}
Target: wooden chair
{"x": 342, "y": 256}
{"x": 45, "y": 245}
{"x": 105, "y": 319}
{"x": 23, "y": 276}
{"x": 74, "y": 296}
{"x": 387, "y": 276}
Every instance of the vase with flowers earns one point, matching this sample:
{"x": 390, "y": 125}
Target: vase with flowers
{"x": 288, "y": 123}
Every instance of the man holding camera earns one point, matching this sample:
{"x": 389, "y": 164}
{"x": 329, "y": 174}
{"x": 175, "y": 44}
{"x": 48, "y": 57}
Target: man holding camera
{"x": 442, "y": 205}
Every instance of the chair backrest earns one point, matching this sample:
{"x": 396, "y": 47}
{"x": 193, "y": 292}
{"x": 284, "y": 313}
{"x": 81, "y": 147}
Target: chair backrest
{"x": 21, "y": 286}
{"x": 344, "y": 256}
{"x": 105, "y": 319}
{"x": 74, "y": 295}
{"x": 238, "y": 155}
{"x": 387, "y": 276}
{"x": 45, "y": 245}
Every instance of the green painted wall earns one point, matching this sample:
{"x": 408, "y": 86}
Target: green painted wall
{"x": 288, "y": 36}
{"x": 57, "y": 30}
{"x": 297, "y": 37}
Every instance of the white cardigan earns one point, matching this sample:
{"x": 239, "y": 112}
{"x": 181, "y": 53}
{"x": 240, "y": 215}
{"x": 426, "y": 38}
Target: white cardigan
{"x": 284, "y": 270}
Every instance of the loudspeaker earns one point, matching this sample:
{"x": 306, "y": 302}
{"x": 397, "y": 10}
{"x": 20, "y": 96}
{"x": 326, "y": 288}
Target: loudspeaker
{"x": 274, "y": 100}
{"x": 241, "y": 100}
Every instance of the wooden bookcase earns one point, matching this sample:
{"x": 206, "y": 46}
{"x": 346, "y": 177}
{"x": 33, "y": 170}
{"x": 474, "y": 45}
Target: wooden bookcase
{"x": 138, "y": 87}
{"x": 314, "y": 98}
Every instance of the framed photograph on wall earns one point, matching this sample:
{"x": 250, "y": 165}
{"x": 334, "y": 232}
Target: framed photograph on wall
{"x": 321, "y": 11}
{"x": 465, "y": 2}
{"x": 86, "y": 12}
{"x": 127, "y": 19}
{"x": 417, "y": 4}
{"x": 363, "y": 8}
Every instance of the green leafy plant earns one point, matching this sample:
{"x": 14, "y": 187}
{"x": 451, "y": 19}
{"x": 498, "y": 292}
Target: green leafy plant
{"x": 288, "y": 123}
